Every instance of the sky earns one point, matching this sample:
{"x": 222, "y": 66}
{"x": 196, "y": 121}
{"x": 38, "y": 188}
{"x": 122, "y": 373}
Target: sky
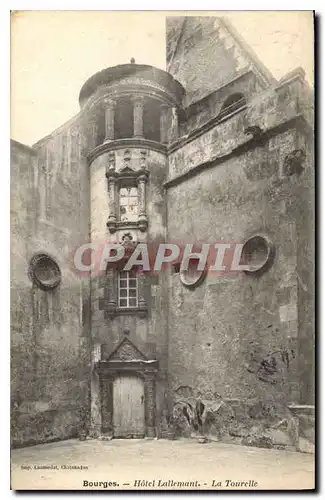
{"x": 54, "y": 52}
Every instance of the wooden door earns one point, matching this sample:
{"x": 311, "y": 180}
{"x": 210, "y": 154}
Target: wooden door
{"x": 128, "y": 407}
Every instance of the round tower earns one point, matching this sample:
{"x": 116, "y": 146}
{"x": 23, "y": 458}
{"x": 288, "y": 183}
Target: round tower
{"x": 132, "y": 112}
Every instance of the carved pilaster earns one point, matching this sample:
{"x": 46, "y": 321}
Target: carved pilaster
{"x": 111, "y": 162}
{"x": 142, "y": 304}
{"x": 163, "y": 123}
{"x": 111, "y": 292}
{"x": 138, "y": 117}
{"x": 107, "y": 405}
{"x": 95, "y": 405}
{"x": 109, "y": 119}
{"x": 142, "y": 217}
{"x": 111, "y": 223}
{"x": 127, "y": 159}
{"x": 150, "y": 388}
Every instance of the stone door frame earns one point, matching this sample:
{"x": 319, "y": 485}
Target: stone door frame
{"x": 147, "y": 370}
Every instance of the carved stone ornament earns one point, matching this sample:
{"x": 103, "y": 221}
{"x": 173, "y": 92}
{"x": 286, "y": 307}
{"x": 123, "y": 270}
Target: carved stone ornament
{"x": 127, "y": 159}
{"x": 143, "y": 159}
{"x": 111, "y": 161}
{"x": 126, "y": 351}
{"x": 127, "y": 241}
{"x": 293, "y": 162}
{"x": 44, "y": 272}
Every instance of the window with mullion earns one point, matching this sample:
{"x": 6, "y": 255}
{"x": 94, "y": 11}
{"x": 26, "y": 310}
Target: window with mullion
{"x": 127, "y": 289}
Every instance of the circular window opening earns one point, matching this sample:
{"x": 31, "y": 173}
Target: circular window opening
{"x": 192, "y": 277}
{"x": 45, "y": 272}
{"x": 257, "y": 254}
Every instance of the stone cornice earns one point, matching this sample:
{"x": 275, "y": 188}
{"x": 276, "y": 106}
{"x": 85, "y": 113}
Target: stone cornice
{"x": 117, "y": 91}
{"x": 246, "y": 73}
{"x": 134, "y": 74}
{"x": 132, "y": 142}
{"x": 298, "y": 121}
{"x": 124, "y": 225}
{"x": 296, "y": 74}
{"x": 111, "y": 367}
{"x": 202, "y": 130}
{"x": 141, "y": 312}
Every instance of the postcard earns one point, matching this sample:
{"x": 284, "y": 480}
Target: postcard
{"x": 162, "y": 250}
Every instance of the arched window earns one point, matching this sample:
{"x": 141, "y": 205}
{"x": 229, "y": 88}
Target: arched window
{"x": 233, "y": 102}
{"x": 123, "y": 122}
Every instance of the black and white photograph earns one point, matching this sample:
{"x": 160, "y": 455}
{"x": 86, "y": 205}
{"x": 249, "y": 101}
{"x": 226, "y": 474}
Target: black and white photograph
{"x": 162, "y": 253}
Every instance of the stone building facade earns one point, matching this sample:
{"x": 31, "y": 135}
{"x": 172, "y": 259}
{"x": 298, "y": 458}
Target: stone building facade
{"x": 213, "y": 149}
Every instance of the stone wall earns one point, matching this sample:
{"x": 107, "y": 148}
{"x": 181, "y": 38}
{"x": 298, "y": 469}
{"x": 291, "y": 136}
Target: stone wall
{"x": 50, "y": 330}
{"x": 224, "y": 185}
{"x": 205, "y": 53}
{"x": 203, "y": 56}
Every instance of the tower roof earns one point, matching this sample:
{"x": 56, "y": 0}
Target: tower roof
{"x": 141, "y": 71}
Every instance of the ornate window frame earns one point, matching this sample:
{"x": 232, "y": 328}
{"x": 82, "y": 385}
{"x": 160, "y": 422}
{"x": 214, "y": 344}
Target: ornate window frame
{"x": 117, "y": 180}
{"x": 111, "y": 306}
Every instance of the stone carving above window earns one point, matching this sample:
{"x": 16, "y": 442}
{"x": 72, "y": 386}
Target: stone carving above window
{"x": 127, "y": 159}
{"x": 44, "y": 272}
{"x": 111, "y": 161}
{"x": 127, "y": 351}
{"x": 128, "y": 241}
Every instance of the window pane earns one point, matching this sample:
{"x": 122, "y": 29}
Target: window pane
{"x": 123, "y": 283}
{"x": 133, "y": 302}
{"x": 123, "y": 292}
{"x": 132, "y": 283}
{"x": 123, "y": 302}
{"x": 133, "y": 292}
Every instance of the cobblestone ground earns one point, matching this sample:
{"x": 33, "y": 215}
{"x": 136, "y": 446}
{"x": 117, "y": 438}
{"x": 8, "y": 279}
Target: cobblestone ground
{"x": 195, "y": 466}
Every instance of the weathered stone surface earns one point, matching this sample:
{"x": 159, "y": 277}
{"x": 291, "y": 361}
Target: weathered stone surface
{"x": 262, "y": 423}
{"x": 208, "y": 56}
{"x": 49, "y": 362}
{"x": 233, "y": 351}
{"x": 306, "y": 446}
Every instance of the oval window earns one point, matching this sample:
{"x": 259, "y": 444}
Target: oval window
{"x": 45, "y": 272}
{"x": 257, "y": 254}
{"x": 192, "y": 277}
